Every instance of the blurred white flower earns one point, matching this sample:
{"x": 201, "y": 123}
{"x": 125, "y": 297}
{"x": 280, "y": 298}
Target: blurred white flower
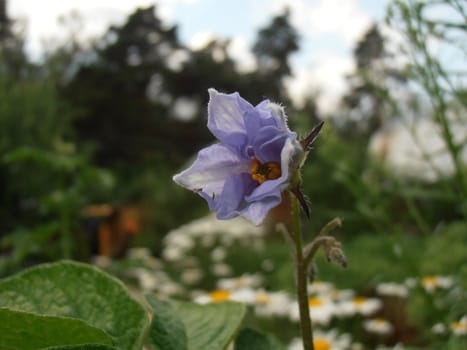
{"x": 330, "y": 340}
{"x": 173, "y": 253}
{"x": 218, "y": 254}
{"x": 269, "y": 304}
{"x": 320, "y": 287}
{"x": 102, "y": 261}
{"x": 245, "y": 295}
{"x": 378, "y": 326}
{"x": 243, "y": 281}
{"x": 207, "y": 230}
{"x": 221, "y": 269}
{"x": 431, "y": 283}
{"x": 398, "y": 346}
{"x": 191, "y": 276}
{"x": 460, "y": 327}
{"x": 267, "y": 265}
{"x": 142, "y": 253}
{"x": 341, "y": 294}
{"x": 322, "y": 310}
{"x": 392, "y": 290}
{"x": 169, "y": 289}
{"x": 147, "y": 280}
{"x": 358, "y": 305}
{"x": 438, "y": 328}
{"x": 218, "y": 295}
{"x": 411, "y": 282}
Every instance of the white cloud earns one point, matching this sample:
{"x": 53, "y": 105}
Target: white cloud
{"x": 345, "y": 19}
{"x": 41, "y": 17}
{"x": 325, "y": 74}
{"x": 200, "y": 39}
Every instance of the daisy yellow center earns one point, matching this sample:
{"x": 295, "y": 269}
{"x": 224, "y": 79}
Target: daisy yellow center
{"x": 313, "y": 302}
{"x": 321, "y": 344}
{"x": 459, "y": 325}
{"x": 430, "y": 281}
{"x": 262, "y": 298}
{"x": 219, "y": 295}
{"x": 359, "y": 300}
{"x": 379, "y": 321}
{"x": 260, "y": 172}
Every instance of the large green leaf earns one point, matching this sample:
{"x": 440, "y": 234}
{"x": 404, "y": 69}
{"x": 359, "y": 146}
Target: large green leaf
{"x": 250, "y": 339}
{"x": 167, "y": 330}
{"x": 80, "y": 291}
{"x": 82, "y": 347}
{"x": 25, "y": 331}
{"x": 211, "y": 326}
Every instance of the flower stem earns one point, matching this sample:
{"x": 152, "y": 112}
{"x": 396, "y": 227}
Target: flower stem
{"x": 301, "y": 278}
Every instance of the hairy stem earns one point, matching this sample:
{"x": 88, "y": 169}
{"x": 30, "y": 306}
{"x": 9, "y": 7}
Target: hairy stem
{"x": 301, "y": 278}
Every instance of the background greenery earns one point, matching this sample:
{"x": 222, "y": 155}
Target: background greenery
{"x": 91, "y": 125}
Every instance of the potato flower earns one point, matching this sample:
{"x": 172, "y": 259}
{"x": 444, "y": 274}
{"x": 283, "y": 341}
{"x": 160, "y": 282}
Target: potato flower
{"x": 256, "y": 158}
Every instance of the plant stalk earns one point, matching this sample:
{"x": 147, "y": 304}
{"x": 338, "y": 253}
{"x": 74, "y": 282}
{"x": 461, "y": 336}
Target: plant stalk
{"x": 301, "y": 272}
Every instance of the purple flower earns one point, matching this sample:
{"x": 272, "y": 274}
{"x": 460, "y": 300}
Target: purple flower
{"x": 254, "y": 161}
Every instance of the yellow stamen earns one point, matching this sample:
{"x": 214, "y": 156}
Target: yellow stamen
{"x": 219, "y": 295}
{"x": 267, "y": 171}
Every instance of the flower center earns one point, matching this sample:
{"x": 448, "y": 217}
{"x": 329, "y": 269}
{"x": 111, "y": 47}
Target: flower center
{"x": 359, "y": 300}
{"x": 260, "y": 172}
{"x": 321, "y": 344}
{"x": 314, "y": 302}
{"x": 219, "y": 295}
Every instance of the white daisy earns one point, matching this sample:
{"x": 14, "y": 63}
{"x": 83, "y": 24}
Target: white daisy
{"x": 378, "y": 326}
{"x": 324, "y": 341}
{"x": 392, "y": 290}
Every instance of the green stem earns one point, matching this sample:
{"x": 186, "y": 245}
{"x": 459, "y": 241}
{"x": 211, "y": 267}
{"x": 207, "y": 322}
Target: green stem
{"x": 301, "y": 278}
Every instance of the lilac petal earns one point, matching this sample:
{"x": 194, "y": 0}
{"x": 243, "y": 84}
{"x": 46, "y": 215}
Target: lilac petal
{"x": 256, "y": 211}
{"x": 232, "y": 201}
{"x": 290, "y": 158}
{"x": 268, "y": 144}
{"x": 278, "y": 115}
{"x": 226, "y": 114}
{"x": 207, "y": 175}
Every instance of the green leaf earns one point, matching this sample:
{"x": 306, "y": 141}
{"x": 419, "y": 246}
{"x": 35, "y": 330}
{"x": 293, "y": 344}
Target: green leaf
{"x": 167, "y": 330}
{"x": 25, "y": 331}
{"x": 82, "y": 347}
{"x": 250, "y": 339}
{"x": 80, "y": 291}
{"x": 211, "y": 326}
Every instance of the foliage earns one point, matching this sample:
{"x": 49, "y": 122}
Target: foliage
{"x": 441, "y": 85}
{"x": 101, "y": 122}
{"x": 79, "y": 305}
{"x": 45, "y": 181}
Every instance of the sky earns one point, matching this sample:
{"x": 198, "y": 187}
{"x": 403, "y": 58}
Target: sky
{"x": 329, "y": 29}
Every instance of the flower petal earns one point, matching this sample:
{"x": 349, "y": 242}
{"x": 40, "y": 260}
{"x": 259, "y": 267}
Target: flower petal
{"x": 225, "y": 114}
{"x": 256, "y": 212}
{"x": 277, "y": 115}
{"x": 207, "y": 175}
{"x": 268, "y": 144}
{"x": 232, "y": 199}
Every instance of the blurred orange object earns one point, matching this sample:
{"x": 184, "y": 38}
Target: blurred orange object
{"x": 110, "y": 229}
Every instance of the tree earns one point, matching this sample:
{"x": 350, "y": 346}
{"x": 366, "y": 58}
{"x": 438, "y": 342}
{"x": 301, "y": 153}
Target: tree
{"x": 123, "y": 97}
{"x": 273, "y": 47}
{"x": 365, "y": 108}
{"x": 13, "y": 60}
